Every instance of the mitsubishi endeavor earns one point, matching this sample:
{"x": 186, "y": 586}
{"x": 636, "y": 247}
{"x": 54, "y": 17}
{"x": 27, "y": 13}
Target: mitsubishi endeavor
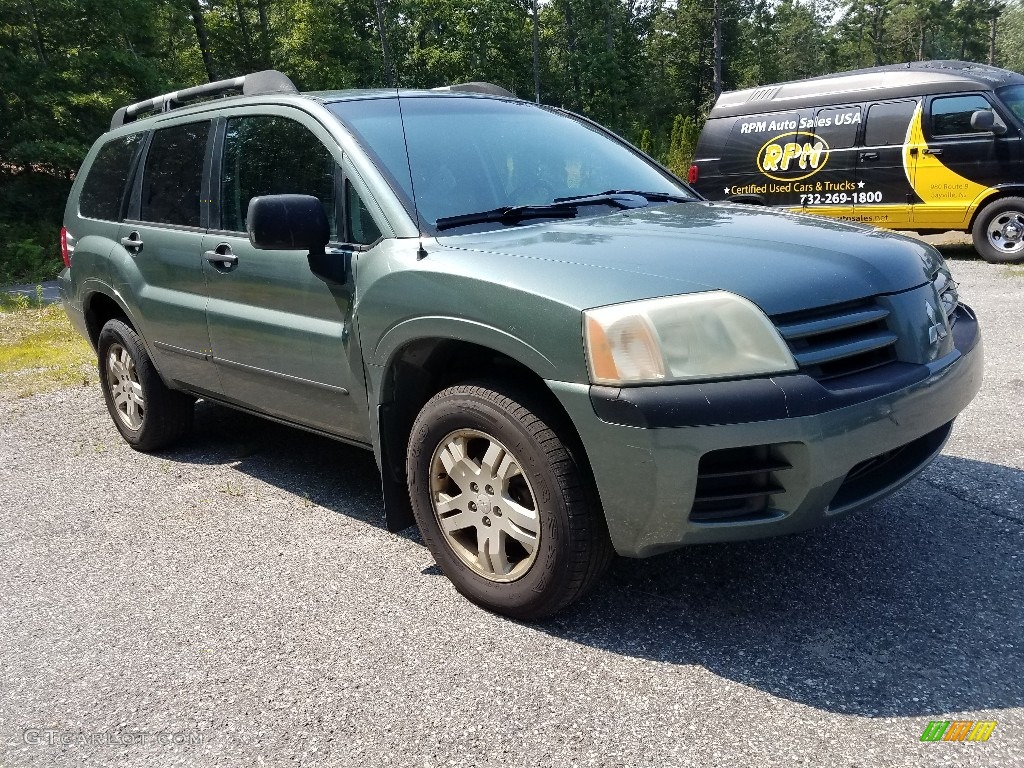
{"x": 556, "y": 350}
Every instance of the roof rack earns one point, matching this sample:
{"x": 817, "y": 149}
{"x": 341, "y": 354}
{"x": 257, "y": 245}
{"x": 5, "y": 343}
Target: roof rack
{"x": 267, "y": 81}
{"x": 478, "y": 87}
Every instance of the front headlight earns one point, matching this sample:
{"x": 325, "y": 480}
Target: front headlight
{"x": 709, "y": 335}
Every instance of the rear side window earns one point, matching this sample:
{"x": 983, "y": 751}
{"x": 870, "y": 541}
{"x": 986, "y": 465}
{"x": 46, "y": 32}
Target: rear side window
{"x": 951, "y": 115}
{"x": 173, "y": 179}
{"x": 887, "y": 123}
{"x": 269, "y": 155}
{"x": 104, "y": 187}
{"x": 838, "y": 126}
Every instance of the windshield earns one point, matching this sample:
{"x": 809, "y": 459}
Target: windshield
{"x": 1013, "y": 97}
{"x": 468, "y": 155}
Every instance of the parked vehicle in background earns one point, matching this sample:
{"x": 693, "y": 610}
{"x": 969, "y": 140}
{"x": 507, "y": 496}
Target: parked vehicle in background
{"x": 928, "y": 146}
{"x": 554, "y": 348}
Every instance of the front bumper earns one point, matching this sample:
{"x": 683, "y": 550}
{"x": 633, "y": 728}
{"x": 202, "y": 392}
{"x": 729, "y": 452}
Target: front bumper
{"x": 833, "y": 450}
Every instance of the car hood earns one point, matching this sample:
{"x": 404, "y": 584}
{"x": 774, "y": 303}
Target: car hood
{"x": 781, "y": 261}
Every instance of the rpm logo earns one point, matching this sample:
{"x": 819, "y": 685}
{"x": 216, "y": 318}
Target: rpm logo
{"x": 792, "y": 156}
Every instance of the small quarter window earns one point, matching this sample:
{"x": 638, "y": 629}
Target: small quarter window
{"x": 172, "y": 183}
{"x": 104, "y": 188}
{"x": 362, "y": 229}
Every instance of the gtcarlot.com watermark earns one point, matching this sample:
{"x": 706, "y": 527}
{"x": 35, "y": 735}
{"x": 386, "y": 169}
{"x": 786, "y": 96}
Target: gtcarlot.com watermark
{"x": 53, "y": 737}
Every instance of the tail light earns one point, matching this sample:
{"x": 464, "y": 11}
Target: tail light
{"x": 692, "y": 175}
{"x": 65, "y": 251}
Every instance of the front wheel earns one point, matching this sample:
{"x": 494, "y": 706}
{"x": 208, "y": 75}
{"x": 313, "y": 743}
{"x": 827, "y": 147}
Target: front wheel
{"x": 999, "y": 231}
{"x": 502, "y": 502}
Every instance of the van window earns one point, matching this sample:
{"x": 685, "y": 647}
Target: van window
{"x": 269, "y": 155}
{"x": 172, "y": 183}
{"x": 887, "y": 123}
{"x": 103, "y": 191}
{"x": 1013, "y": 97}
{"x": 838, "y": 126}
{"x": 951, "y": 115}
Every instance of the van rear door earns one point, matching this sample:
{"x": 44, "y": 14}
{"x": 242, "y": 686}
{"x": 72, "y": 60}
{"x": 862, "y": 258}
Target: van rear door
{"x": 885, "y": 172}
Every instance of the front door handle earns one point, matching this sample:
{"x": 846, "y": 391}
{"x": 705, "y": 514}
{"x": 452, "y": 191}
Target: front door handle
{"x": 221, "y": 256}
{"x": 868, "y": 155}
{"x": 132, "y": 243}
{"x": 933, "y": 152}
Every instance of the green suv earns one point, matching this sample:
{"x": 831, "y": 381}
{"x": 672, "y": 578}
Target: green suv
{"x": 556, "y": 350}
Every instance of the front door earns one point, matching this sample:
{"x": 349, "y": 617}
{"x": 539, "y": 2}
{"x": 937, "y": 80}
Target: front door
{"x": 957, "y": 166}
{"x": 283, "y": 338}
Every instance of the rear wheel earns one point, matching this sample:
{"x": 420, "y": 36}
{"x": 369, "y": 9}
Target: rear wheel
{"x": 999, "y": 231}
{"x": 502, "y": 503}
{"x": 145, "y": 411}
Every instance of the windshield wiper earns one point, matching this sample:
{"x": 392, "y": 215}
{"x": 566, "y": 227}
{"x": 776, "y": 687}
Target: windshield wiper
{"x": 620, "y": 197}
{"x": 510, "y": 214}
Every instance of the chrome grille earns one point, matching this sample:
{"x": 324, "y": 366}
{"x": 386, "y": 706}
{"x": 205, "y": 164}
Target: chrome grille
{"x": 840, "y": 340}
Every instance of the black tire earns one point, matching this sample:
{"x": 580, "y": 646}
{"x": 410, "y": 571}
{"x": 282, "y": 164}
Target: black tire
{"x": 148, "y": 415}
{"x": 990, "y": 226}
{"x": 572, "y": 547}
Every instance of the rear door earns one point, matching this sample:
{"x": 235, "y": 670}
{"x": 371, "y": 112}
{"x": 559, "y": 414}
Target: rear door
{"x": 162, "y": 238}
{"x": 282, "y": 337}
{"x": 885, "y": 193}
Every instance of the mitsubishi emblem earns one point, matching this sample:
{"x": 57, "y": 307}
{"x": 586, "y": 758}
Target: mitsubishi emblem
{"x": 936, "y": 328}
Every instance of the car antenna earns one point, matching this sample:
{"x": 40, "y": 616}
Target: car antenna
{"x": 421, "y": 252}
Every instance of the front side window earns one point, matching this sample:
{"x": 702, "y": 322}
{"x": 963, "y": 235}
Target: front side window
{"x": 271, "y": 155}
{"x": 173, "y": 178}
{"x": 468, "y": 155}
{"x": 887, "y": 124}
{"x": 951, "y": 115}
{"x": 104, "y": 189}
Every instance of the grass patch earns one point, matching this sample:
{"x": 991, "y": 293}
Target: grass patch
{"x": 39, "y": 350}
{"x": 1014, "y": 270}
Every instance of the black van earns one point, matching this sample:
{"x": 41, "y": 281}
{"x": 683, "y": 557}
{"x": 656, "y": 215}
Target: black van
{"x": 929, "y": 146}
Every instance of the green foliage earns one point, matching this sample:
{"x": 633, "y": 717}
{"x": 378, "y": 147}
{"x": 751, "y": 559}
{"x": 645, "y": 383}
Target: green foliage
{"x": 682, "y": 145}
{"x": 646, "y": 142}
{"x": 644, "y": 68}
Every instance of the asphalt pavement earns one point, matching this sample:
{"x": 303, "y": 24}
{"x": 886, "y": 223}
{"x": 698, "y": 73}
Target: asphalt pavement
{"x": 238, "y": 602}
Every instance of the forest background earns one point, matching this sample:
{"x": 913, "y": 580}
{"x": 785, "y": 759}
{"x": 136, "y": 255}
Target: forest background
{"x": 648, "y": 69}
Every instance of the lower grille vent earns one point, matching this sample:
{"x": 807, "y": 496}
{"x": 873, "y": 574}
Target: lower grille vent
{"x": 735, "y": 483}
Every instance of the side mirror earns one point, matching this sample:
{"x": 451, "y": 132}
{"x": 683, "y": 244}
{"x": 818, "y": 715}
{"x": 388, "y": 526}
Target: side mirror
{"x": 985, "y": 120}
{"x": 288, "y": 223}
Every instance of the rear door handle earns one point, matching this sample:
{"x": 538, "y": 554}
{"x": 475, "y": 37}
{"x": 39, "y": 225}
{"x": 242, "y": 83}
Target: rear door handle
{"x": 933, "y": 151}
{"x": 868, "y": 155}
{"x": 133, "y": 242}
{"x": 221, "y": 256}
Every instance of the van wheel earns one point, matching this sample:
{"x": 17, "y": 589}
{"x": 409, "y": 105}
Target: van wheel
{"x": 999, "y": 230}
{"x": 501, "y": 502}
{"x": 148, "y": 415}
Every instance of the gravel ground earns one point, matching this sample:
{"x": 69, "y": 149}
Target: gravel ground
{"x": 242, "y": 592}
